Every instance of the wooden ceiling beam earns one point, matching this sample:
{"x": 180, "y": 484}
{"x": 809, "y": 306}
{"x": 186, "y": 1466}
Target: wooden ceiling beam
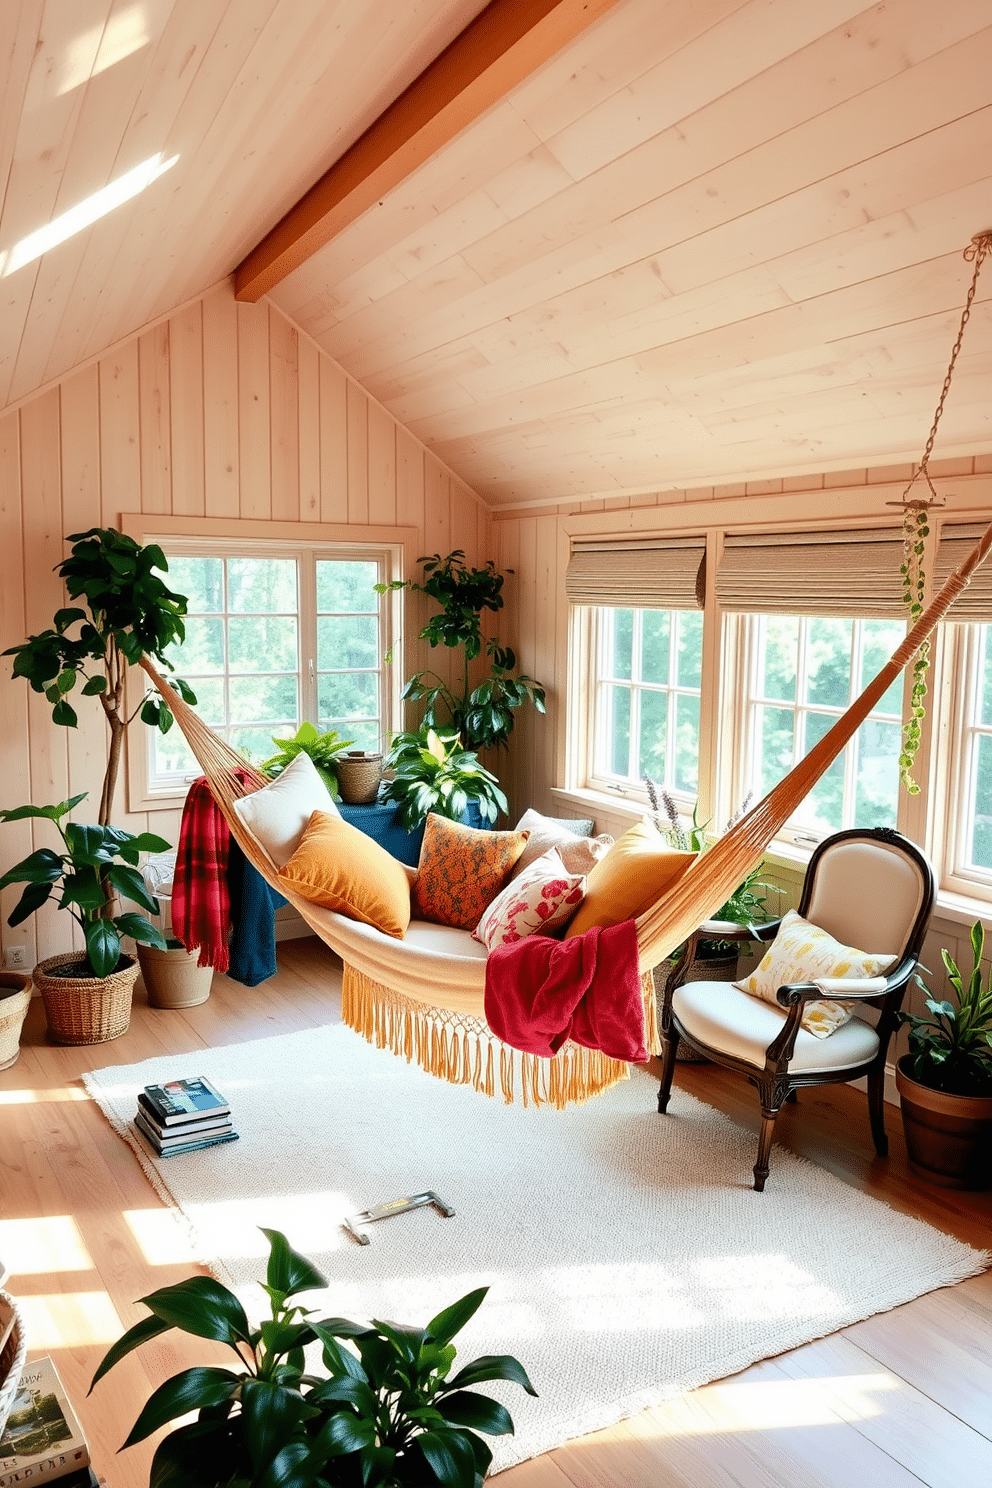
{"x": 505, "y": 43}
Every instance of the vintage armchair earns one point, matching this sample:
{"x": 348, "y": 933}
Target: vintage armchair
{"x": 872, "y": 889}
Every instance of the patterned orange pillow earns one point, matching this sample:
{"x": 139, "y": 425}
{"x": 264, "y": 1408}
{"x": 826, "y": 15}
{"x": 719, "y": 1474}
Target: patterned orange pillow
{"x": 461, "y": 871}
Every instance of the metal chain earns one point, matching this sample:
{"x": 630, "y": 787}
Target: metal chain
{"x": 978, "y": 249}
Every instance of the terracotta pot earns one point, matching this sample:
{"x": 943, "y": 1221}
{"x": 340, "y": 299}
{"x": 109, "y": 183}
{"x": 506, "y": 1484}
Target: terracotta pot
{"x": 948, "y": 1137}
{"x": 81, "y": 1009}
{"x": 172, "y": 977}
{"x": 15, "y": 995}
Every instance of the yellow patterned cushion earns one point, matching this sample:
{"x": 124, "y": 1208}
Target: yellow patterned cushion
{"x": 638, "y": 869}
{"x": 801, "y": 952}
{"x": 461, "y": 871}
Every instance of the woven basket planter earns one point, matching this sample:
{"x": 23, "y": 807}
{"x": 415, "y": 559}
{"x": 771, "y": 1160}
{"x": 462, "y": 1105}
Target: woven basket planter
{"x": 85, "y": 1010}
{"x": 358, "y": 777}
{"x": 15, "y": 995}
{"x": 11, "y": 1362}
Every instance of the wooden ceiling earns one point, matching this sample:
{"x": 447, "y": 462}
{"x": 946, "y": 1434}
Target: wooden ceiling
{"x": 709, "y": 241}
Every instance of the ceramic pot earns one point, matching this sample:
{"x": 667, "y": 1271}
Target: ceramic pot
{"x": 85, "y": 1009}
{"x": 948, "y": 1137}
{"x": 15, "y": 996}
{"x": 172, "y": 977}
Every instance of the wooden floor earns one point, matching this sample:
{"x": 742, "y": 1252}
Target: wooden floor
{"x": 904, "y": 1398}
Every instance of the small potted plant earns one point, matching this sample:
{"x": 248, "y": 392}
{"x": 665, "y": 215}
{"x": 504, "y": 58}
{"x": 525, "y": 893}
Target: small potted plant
{"x": 129, "y": 612}
{"x": 385, "y": 1412}
{"x": 325, "y": 749}
{"x": 432, "y": 772}
{"x": 945, "y": 1080}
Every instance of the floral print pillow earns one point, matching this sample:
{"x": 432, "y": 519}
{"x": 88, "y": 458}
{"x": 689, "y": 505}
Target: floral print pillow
{"x": 543, "y": 897}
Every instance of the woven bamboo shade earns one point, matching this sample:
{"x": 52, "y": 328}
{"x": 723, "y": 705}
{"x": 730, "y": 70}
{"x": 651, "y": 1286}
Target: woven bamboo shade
{"x": 645, "y": 573}
{"x": 956, "y": 541}
{"x": 821, "y": 573}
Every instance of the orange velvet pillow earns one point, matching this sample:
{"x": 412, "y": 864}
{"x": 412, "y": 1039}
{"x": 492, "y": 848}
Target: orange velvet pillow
{"x": 461, "y": 871}
{"x": 636, "y": 871}
{"x": 341, "y": 868}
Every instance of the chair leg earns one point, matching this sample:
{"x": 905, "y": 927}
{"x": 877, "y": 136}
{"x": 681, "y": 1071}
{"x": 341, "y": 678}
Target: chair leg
{"x": 669, "y": 1049}
{"x": 768, "y": 1119}
{"x": 876, "y": 1109}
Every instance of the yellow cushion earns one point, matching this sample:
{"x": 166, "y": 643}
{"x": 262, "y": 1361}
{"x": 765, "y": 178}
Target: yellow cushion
{"x": 634, "y": 874}
{"x": 461, "y": 870}
{"x": 341, "y": 868}
{"x": 802, "y": 952}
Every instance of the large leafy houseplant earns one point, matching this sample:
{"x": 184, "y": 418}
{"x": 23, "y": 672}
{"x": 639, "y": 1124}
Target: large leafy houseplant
{"x": 482, "y": 716}
{"x": 386, "y": 1413}
{"x": 434, "y": 773}
{"x": 126, "y": 611}
{"x": 950, "y": 1049}
{"x": 323, "y": 749}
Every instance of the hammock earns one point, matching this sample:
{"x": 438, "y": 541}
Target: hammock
{"x": 429, "y": 1008}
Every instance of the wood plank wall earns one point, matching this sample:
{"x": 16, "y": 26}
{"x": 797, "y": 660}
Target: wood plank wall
{"x": 534, "y": 542}
{"x": 223, "y": 410}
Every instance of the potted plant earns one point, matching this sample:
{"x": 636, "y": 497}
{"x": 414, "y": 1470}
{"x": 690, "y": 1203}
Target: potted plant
{"x": 129, "y": 612}
{"x": 434, "y": 773}
{"x": 386, "y": 1411}
{"x": 15, "y": 995}
{"x": 945, "y": 1080}
{"x": 325, "y": 749}
{"x": 481, "y": 716}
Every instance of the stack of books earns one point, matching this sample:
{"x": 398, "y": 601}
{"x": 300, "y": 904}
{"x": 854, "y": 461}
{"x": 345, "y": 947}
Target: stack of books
{"x": 183, "y": 1116}
{"x": 42, "y": 1441}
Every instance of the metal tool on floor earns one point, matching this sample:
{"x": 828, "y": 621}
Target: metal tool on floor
{"x": 395, "y": 1206}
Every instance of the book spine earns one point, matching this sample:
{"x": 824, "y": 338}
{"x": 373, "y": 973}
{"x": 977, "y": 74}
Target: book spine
{"x": 196, "y": 1146}
{"x": 209, "y": 1120}
{"x": 46, "y": 1469}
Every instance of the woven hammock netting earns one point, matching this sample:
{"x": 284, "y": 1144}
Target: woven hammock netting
{"x": 713, "y": 875}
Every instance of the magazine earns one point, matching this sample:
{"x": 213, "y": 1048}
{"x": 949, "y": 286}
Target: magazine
{"x": 42, "y": 1440}
{"x": 177, "y": 1101}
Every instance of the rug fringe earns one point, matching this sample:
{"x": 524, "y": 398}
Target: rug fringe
{"x": 462, "y": 1049}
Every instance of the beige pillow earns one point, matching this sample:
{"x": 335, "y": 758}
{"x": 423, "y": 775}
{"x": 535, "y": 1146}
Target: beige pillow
{"x": 802, "y": 952}
{"x": 579, "y": 854}
{"x": 634, "y": 874}
{"x": 277, "y": 815}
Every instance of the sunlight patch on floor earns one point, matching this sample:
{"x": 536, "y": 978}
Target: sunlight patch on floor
{"x": 161, "y": 1235}
{"x": 40, "y": 1097}
{"x": 69, "y": 1320}
{"x": 770, "y": 1405}
{"x": 51, "y": 1243}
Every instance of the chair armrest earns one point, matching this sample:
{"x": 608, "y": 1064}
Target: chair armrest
{"x": 852, "y": 986}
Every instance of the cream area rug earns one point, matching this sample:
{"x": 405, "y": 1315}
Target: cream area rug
{"x": 627, "y": 1257}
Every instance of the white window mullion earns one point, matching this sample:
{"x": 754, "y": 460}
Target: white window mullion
{"x": 306, "y": 569}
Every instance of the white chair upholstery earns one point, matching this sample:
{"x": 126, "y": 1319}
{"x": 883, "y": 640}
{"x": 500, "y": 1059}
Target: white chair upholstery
{"x": 869, "y": 889}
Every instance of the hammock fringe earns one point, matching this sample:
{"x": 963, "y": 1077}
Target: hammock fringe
{"x": 461, "y": 1049}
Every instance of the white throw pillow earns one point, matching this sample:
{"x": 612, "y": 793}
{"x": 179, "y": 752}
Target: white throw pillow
{"x": 278, "y": 814}
{"x": 801, "y": 952}
{"x": 579, "y": 854}
{"x": 541, "y": 898}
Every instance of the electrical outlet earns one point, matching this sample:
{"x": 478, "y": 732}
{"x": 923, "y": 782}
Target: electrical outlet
{"x": 15, "y": 958}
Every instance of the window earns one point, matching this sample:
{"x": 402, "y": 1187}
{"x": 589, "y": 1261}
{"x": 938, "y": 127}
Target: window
{"x": 647, "y": 687}
{"x": 969, "y": 815}
{"x": 275, "y": 635}
{"x": 802, "y": 673}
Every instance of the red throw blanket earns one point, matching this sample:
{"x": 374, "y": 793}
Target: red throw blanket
{"x": 541, "y": 992}
{"x": 201, "y": 904}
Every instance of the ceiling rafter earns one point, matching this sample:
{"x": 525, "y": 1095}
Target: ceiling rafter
{"x": 505, "y": 43}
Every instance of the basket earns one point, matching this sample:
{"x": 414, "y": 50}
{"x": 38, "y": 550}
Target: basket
{"x": 85, "y": 1010}
{"x": 11, "y": 1362}
{"x": 358, "y": 777}
{"x": 15, "y": 996}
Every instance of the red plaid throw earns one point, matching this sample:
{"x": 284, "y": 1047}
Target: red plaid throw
{"x": 201, "y": 905}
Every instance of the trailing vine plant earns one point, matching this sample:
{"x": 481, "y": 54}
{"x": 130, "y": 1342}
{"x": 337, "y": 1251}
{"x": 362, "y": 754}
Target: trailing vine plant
{"x": 914, "y": 532}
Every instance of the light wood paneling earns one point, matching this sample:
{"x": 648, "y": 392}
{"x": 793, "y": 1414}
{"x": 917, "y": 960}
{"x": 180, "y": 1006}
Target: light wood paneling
{"x": 223, "y": 412}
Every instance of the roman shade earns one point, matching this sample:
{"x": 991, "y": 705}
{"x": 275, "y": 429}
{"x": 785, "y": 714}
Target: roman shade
{"x": 974, "y": 603}
{"x": 638, "y": 573}
{"x": 813, "y": 573}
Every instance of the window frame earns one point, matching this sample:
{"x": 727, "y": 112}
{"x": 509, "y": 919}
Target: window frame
{"x": 959, "y": 659}
{"x": 247, "y": 538}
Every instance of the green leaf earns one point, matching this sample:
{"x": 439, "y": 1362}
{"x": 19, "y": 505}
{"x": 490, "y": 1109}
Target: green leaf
{"x": 493, "y": 1367}
{"x": 193, "y": 1389}
{"x": 271, "y": 1414}
{"x": 149, "y": 712}
{"x": 165, "y": 719}
{"x": 64, "y": 715}
{"x": 103, "y": 946}
{"x": 31, "y": 900}
{"x": 149, "y": 1327}
{"x": 50, "y": 813}
{"x": 451, "y": 1320}
{"x": 41, "y": 866}
{"x": 449, "y": 1456}
{"x": 288, "y": 1271}
{"x": 94, "y": 686}
{"x": 203, "y": 1307}
{"x": 140, "y": 930}
{"x": 466, "y": 1408}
